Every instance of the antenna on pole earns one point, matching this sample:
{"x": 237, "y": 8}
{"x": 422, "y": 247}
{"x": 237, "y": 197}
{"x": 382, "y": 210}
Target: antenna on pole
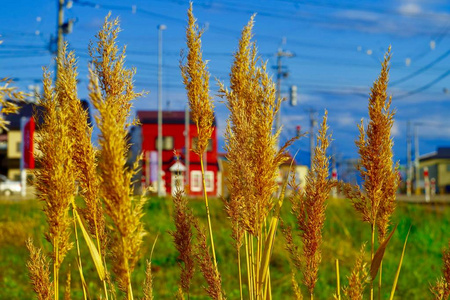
{"x": 281, "y": 74}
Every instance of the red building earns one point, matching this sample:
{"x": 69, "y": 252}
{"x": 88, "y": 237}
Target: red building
{"x": 186, "y": 170}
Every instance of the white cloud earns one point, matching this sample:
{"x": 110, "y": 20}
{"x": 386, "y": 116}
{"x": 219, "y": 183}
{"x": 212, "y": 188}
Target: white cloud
{"x": 396, "y": 21}
{"x": 345, "y": 119}
{"x": 360, "y": 15}
{"x": 395, "y": 131}
{"x": 410, "y": 9}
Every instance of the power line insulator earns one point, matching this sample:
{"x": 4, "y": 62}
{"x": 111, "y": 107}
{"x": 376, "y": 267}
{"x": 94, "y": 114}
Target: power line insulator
{"x": 293, "y": 95}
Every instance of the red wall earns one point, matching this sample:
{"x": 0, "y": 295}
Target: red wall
{"x": 149, "y": 136}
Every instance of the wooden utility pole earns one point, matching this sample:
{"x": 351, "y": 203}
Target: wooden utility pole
{"x": 59, "y": 37}
{"x": 280, "y": 74}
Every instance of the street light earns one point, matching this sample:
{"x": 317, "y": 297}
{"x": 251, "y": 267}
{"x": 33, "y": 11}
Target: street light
{"x": 160, "y": 27}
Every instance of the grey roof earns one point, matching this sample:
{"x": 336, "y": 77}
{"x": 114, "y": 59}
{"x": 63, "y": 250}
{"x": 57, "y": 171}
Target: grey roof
{"x": 28, "y": 109}
{"x": 441, "y": 153}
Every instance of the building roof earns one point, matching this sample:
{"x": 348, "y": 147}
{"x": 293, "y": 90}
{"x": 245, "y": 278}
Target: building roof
{"x": 28, "y": 109}
{"x": 169, "y": 117}
{"x": 441, "y": 153}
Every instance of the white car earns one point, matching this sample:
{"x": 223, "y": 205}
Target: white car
{"x": 8, "y": 187}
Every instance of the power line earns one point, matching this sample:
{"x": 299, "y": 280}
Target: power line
{"x": 421, "y": 70}
{"x": 217, "y": 28}
{"x": 425, "y": 87}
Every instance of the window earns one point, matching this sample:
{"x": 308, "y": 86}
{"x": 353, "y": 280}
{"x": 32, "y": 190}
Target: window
{"x": 209, "y": 181}
{"x": 209, "y": 148}
{"x": 448, "y": 167}
{"x": 167, "y": 143}
{"x": 196, "y": 181}
{"x": 19, "y": 147}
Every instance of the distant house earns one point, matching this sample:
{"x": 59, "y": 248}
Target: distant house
{"x": 179, "y": 163}
{"x": 11, "y": 139}
{"x": 438, "y": 164}
{"x": 286, "y": 170}
{"x": 11, "y": 142}
{"x": 291, "y": 168}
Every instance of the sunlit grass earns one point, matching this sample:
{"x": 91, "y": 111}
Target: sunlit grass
{"x": 343, "y": 234}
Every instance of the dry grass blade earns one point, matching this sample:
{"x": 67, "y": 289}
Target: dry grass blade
{"x": 338, "y": 281}
{"x": 269, "y": 242}
{"x": 92, "y": 249}
{"x": 378, "y": 257}
{"x": 397, "y": 274}
{"x": 83, "y": 281}
{"x": 38, "y": 271}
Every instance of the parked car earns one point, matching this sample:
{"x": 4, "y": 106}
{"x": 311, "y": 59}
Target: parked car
{"x": 8, "y": 187}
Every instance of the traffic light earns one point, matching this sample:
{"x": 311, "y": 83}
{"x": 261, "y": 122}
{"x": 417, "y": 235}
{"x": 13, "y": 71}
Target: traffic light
{"x": 299, "y": 130}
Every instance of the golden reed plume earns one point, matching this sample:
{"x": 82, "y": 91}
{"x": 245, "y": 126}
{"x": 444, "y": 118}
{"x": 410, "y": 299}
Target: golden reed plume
{"x": 183, "y": 238}
{"x": 357, "y": 278}
{"x": 111, "y": 92}
{"x": 39, "y": 273}
{"x": 309, "y": 208}
{"x": 55, "y": 182}
{"x": 196, "y": 80}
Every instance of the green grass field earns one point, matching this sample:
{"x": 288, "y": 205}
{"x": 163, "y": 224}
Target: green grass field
{"x": 343, "y": 236}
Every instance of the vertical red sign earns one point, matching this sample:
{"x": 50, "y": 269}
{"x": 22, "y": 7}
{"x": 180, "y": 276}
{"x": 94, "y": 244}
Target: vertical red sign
{"x": 28, "y": 145}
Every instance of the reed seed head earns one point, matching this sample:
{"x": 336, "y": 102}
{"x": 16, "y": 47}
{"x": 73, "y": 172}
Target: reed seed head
{"x": 291, "y": 247}
{"x": 183, "y": 238}
{"x": 84, "y": 154}
{"x": 67, "y": 290}
{"x": 148, "y": 284}
{"x": 39, "y": 273}
{"x": 8, "y": 107}
{"x": 206, "y": 265}
{"x": 196, "y": 80}
{"x": 309, "y": 208}
{"x": 250, "y": 141}
{"x": 441, "y": 289}
{"x": 111, "y": 91}
{"x": 376, "y": 162}
{"x": 357, "y": 278}
{"x": 55, "y": 179}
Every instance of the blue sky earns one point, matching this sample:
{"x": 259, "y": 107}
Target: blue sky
{"x": 338, "y": 48}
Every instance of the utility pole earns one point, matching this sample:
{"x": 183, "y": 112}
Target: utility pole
{"x": 408, "y": 157}
{"x": 416, "y": 157}
{"x": 312, "y": 124}
{"x": 280, "y": 74}
{"x": 59, "y": 37}
{"x": 186, "y": 142}
{"x": 61, "y": 29}
{"x": 159, "y": 182}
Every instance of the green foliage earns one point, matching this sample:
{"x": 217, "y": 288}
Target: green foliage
{"x": 343, "y": 235}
